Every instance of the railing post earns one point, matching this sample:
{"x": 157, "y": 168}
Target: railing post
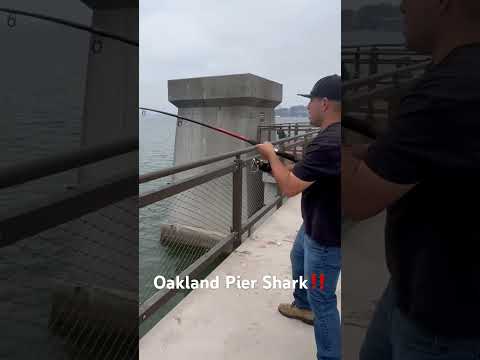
{"x": 280, "y": 201}
{"x": 357, "y": 64}
{"x": 295, "y": 133}
{"x": 373, "y": 64}
{"x": 373, "y": 69}
{"x": 237, "y": 186}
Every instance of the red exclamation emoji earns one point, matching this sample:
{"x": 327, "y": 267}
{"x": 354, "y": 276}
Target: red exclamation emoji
{"x": 314, "y": 280}
{"x": 322, "y": 281}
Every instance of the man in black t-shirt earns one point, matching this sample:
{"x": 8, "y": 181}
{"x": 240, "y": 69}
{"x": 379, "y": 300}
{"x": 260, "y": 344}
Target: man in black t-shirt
{"x": 316, "y": 254}
{"x": 425, "y": 170}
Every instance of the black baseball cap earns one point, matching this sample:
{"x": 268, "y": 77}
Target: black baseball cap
{"x": 329, "y": 87}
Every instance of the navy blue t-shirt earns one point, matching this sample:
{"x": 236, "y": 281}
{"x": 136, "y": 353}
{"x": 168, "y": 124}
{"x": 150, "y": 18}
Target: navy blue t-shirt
{"x": 321, "y": 201}
{"x": 432, "y": 233}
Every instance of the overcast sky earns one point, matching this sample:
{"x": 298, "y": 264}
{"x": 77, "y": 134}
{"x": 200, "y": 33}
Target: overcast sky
{"x": 291, "y": 42}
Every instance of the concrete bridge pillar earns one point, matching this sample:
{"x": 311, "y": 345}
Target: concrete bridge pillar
{"x": 111, "y": 96}
{"x": 104, "y": 296}
{"x": 110, "y": 113}
{"x": 235, "y": 102}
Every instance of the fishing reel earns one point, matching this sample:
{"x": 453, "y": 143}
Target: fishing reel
{"x": 259, "y": 164}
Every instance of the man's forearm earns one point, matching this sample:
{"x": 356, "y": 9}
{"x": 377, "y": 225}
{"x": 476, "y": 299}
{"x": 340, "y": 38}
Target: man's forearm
{"x": 288, "y": 183}
{"x": 352, "y": 156}
{"x": 280, "y": 172}
{"x": 350, "y": 166}
{"x": 350, "y": 162}
{"x": 364, "y": 193}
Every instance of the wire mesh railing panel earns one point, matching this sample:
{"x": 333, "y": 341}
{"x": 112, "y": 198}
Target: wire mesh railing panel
{"x": 178, "y": 230}
{"x": 257, "y": 190}
{"x": 78, "y": 281}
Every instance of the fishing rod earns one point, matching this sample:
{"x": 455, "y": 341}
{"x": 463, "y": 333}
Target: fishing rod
{"x": 12, "y": 21}
{"x": 226, "y": 132}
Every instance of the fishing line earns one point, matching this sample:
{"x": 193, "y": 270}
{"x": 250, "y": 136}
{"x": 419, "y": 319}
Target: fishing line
{"x": 12, "y": 22}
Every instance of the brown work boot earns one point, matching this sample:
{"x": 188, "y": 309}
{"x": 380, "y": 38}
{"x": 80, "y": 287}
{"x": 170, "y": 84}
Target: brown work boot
{"x": 293, "y": 312}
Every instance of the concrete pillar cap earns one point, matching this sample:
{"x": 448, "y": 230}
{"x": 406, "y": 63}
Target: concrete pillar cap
{"x": 227, "y": 90}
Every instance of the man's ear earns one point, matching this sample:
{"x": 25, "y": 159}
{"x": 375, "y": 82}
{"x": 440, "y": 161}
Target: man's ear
{"x": 326, "y": 104}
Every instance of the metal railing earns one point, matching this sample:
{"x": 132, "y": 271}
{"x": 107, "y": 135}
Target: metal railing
{"x": 374, "y": 79}
{"x": 366, "y": 60}
{"x": 394, "y": 77}
{"x": 47, "y": 214}
{"x": 66, "y": 243}
{"x": 283, "y": 130}
{"x": 225, "y": 191}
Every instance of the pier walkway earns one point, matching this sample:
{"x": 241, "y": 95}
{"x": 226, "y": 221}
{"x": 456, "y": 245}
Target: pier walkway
{"x": 366, "y": 274}
{"x": 234, "y": 323}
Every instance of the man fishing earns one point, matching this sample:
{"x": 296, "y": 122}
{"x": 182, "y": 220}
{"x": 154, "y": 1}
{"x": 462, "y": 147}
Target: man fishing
{"x": 425, "y": 170}
{"x": 316, "y": 251}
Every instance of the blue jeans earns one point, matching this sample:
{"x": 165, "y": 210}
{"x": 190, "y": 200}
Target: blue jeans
{"x": 392, "y": 336}
{"x": 309, "y": 257}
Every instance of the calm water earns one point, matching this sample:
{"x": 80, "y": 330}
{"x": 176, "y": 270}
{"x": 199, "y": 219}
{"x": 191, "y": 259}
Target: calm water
{"x": 41, "y": 105}
{"x": 157, "y": 140}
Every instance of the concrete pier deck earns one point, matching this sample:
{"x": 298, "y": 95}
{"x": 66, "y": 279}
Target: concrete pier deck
{"x": 365, "y": 276}
{"x": 237, "y": 324}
